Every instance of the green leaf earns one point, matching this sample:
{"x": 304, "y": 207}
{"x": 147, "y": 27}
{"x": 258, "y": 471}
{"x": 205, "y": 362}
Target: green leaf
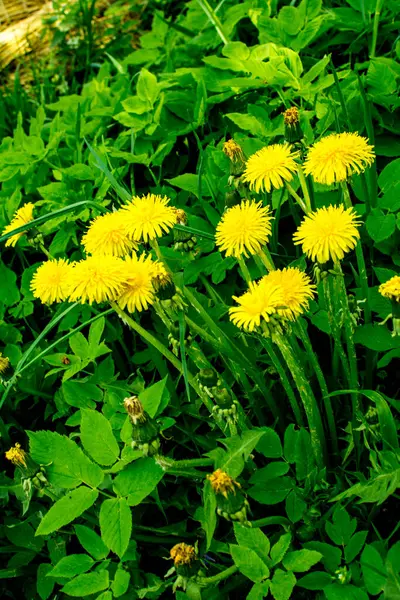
{"x": 254, "y": 539}
{"x": 67, "y": 509}
{"x": 97, "y": 437}
{"x": 301, "y": 560}
{"x": 373, "y": 570}
{"x": 342, "y": 527}
{"x": 279, "y": 549}
{"x": 91, "y": 542}
{"x": 116, "y": 524}
{"x": 290, "y": 443}
{"x": 258, "y": 591}
{"x": 331, "y": 556}
{"x": 72, "y": 565}
{"x": 282, "y": 584}
{"x": 44, "y": 585}
{"x": 317, "y": 580}
{"x": 272, "y": 491}
{"x": 249, "y": 563}
{"x": 210, "y": 515}
{"x": 87, "y": 584}
{"x": 68, "y": 465}
{"x": 270, "y": 444}
{"x": 138, "y": 480}
{"x": 355, "y": 545}
{"x": 79, "y": 393}
{"x": 121, "y": 582}
{"x": 147, "y": 87}
{"x": 337, "y": 591}
{"x": 9, "y": 291}
{"x": 271, "y": 471}
{"x": 239, "y": 449}
{"x": 155, "y": 398}
{"x": 79, "y": 171}
{"x": 188, "y": 182}
{"x": 375, "y": 337}
{"x": 380, "y": 226}
{"x": 295, "y": 507}
{"x": 305, "y": 462}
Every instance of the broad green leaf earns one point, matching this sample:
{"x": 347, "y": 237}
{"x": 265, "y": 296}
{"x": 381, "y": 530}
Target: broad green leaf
{"x": 355, "y": 545}
{"x": 290, "y": 443}
{"x": 9, "y": 291}
{"x": 380, "y": 226}
{"x": 270, "y": 444}
{"x": 79, "y": 171}
{"x": 254, "y": 539}
{"x": 301, "y": 561}
{"x": 305, "y": 462}
{"x": 258, "y": 591}
{"x": 155, "y": 398}
{"x": 72, "y": 565}
{"x": 85, "y": 585}
{"x": 210, "y": 515}
{"x": 249, "y": 563}
{"x": 342, "y": 527}
{"x": 44, "y": 584}
{"x": 116, "y": 524}
{"x": 67, "y": 466}
{"x": 147, "y": 87}
{"x": 271, "y": 471}
{"x": 375, "y": 337}
{"x": 279, "y": 549}
{"x": 239, "y": 449}
{"x": 282, "y": 584}
{"x": 67, "y": 509}
{"x": 138, "y": 480}
{"x": 317, "y": 580}
{"x": 373, "y": 570}
{"x": 121, "y": 582}
{"x": 97, "y": 437}
{"x": 295, "y": 507}
{"x": 91, "y": 542}
{"x": 336, "y": 591}
{"x": 331, "y": 555}
{"x": 272, "y": 491}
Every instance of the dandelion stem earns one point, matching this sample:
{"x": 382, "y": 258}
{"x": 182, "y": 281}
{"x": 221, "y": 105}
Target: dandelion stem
{"x": 304, "y": 188}
{"x": 299, "y": 201}
{"x": 377, "y": 16}
{"x": 266, "y": 259}
{"x": 45, "y": 251}
{"x": 308, "y": 399}
{"x": 217, "y": 578}
{"x": 244, "y": 270}
{"x": 334, "y": 322}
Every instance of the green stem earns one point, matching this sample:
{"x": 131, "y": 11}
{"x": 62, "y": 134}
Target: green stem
{"x": 377, "y": 15}
{"x": 304, "y": 188}
{"x": 334, "y": 322}
{"x": 192, "y": 462}
{"x": 308, "y": 400}
{"x": 266, "y": 259}
{"x": 217, "y": 578}
{"x": 299, "y": 201}
{"x": 245, "y": 272}
{"x": 213, "y": 19}
{"x": 45, "y": 251}
{"x": 284, "y": 380}
{"x": 303, "y": 334}
{"x": 271, "y": 521}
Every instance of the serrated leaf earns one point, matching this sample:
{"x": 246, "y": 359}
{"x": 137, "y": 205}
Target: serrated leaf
{"x": 254, "y": 539}
{"x": 91, "y": 542}
{"x": 85, "y": 585}
{"x": 116, "y": 524}
{"x": 282, "y": 584}
{"x": 331, "y": 556}
{"x": 279, "y": 549}
{"x": 258, "y": 591}
{"x": 317, "y": 580}
{"x": 74, "y": 564}
{"x": 355, "y": 545}
{"x": 155, "y": 398}
{"x": 342, "y": 527}
{"x": 97, "y": 437}
{"x": 67, "y": 509}
{"x": 249, "y": 563}
{"x": 373, "y": 570}
{"x": 138, "y": 480}
{"x": 301, "y": 560}
{"x": 239, "y": 449}
{"x": 121, "y": 582}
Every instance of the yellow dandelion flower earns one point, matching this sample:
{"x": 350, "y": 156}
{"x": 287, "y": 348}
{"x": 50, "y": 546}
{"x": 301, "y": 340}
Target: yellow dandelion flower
{"x": 391, "y": 289}
{"x": 97, "y": 279}
{"x": 259, "y": 302}
{"x": 328, "y": 233}
{"x": 297, "y": 290}
{"x": 16, "y": 455}
{"x": 244, "y": 229}
{"x": 138, "y": 292}
{"x": 222, "y": 483}
{"x": 107, "y": 235}
{"x": 23, "y": 216}
{"x": 338, "y": 156}
{"x": 148, "y": 217}
{"x": 270, "y": 167}
{"x": 51, "y": 282}
{"x": 4, "y": 363}
{"x": 183, "y": 554}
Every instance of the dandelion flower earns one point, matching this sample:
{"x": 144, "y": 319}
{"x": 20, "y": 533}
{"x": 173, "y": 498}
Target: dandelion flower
{"x": 244, "y": 229}
{"x": 4, "y": 363}
{"x": 297, "y": 290}
{"x": 16, "y": 455}
{"x": 183, "y": 554}
{"x": 222, "y": 483}
{"x": 259, "y": 302}
{"x": 107, "y": 235}
{"x": 148, "y": 217}
{"x": 97, "y": 279}
{"x": 337, "y": 156}
{"x": 270, "y": 167}
{"x": 51, "y": 282}
{"x": 23, "y": 216}
{"x": 328, "y": 233}
{"x": 391, "y": 289}
{"x": 138, "y": 292}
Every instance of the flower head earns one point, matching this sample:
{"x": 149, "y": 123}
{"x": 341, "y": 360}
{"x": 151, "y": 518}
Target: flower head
{"x": 4, "y": 363}
{"x": 270, "y": 167}
{"x": 97, "y": 279}
{"x": 51, "y": 282}
{"x": 244, "y": 229}
{"x": 222, "y": 483}
{"x": 107, "y": 235}
{"x": 148, "y": 217}
{"x": 138, "y": 292}
{"x": 391, "y": 289}
{"x": 232, "y": 150}
{"x": 183, "y": 554}
{"x": 297, "y": 290}
{"x": 135, "y": 409}
{"x": 337, "y": 156}
{"x": 328, "y": 233}
{"x": 23, "y": 216}
{"x": 261, "y": 301}
{"x": 181, "y": 216}
{"x": 16, "y": 455}
{"x": 291, "y": 116}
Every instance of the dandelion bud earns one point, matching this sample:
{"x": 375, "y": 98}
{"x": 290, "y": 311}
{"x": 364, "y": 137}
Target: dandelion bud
{"x": 163, "y": 285}
{"x": 231, "y": 502}
{"x": 232, "y": 199}
{"x": 145, "y": 430}
{"x": 4, "y": 363}
{"x": 135, "y": 410}
{"x": 234, "y": 152}
{"x": 185, "y": 559}
{"x": 293, "y": 131}
{"x": 181, "y": 217}
{"x": 17, "y": 456}
{"x": 223, "y": 397}
{"x": 208, "y": 377}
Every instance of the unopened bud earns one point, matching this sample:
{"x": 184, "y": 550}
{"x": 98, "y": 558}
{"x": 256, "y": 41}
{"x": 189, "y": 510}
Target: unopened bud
{"x": 135, "y": 409}
{"x": 4, "y": 363}
{"x": 235, "y": 154}
{"x": 208, "y": 377}
{"x": 293, "y": 131}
